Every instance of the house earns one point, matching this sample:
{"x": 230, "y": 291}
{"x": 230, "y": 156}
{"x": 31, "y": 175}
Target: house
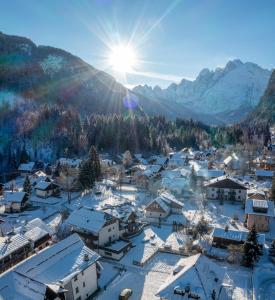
{"x": 175, "y": 205}
{"x": 198, "y": 278}
{"x": 157, "y": 209}
{"x": 223, "y": 237}
{"x": 46, "y": 188}
{"x": 264, "y": 174}
{"x": 26, "y": 169}
{"x": 99, "y": 230}
{"x": 226, "y": 188}
{"x": 15, "y": 201}
{"x": 259, "y": 212}
{"x": 13, "y": 249}
{"x": 232, "y": 162}
{"x": 145, "y": 174}
{"x": 127, "y": 216}
{"x": 66, "y": 270}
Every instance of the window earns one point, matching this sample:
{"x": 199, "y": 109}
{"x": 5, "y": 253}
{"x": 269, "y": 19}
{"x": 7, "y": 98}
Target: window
{"x": 77, "y": 290}
{"x": 84, "y": 284}
{"x": 113, "y": 227}
{"x": 109, "y": 229}
{"x": 159, "y": 214}
{"x": 213, "y": 189}
{"x": 82, "y": 273}
{"x": 79, "y": 298}
{"x": 239, "y": 197}
{"x": 240, "y": 191}
{"x": 75, "y": 278}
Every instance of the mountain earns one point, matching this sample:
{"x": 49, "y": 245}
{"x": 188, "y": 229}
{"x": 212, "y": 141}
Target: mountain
{"x": 227, "y": 93}
{"x": 265, "y": 110}
{"x": 54, "y": 76}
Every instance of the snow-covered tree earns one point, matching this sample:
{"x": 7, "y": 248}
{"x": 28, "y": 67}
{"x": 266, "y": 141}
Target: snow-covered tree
{"x": 27, "y": 187}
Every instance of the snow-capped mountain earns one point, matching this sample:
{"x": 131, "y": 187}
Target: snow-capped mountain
{"x": 220, "y": 92}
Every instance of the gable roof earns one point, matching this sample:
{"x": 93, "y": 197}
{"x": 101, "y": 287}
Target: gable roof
{"x": 10, "y": 244}
{"x": 17, "y": 197}
{"x": 27, "y": 167}
{"x": 226, "y": 182}
{"x": 161, "y": 203}
{"x": 87, "y": 219}
{"x": 169, "y": 198}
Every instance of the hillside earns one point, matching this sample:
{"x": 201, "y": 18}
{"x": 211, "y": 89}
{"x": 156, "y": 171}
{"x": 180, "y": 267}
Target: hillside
{"x": 265, "y": 110}
{"x": 227, "y": 94}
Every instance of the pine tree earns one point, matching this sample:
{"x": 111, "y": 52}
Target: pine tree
{"x": 24, "y": 156}
{"x": 251, "y": 248}
{"x": 94, "y": 162}
{"x": 193, "y": 178}
{"x": 86, "y": 176}
{"x": 27, "y": 188}
{"x": 273, "y": 189}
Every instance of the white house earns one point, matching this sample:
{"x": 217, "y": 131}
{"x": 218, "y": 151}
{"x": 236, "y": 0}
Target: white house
{"x": 226, "y": 188}
{"x": 66, "y": 270}
{"x": 232, "y": 162}
{"x": 99, "y": 227}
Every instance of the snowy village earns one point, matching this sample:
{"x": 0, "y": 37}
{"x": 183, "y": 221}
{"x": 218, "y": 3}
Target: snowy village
{"x": 192, "y": 224}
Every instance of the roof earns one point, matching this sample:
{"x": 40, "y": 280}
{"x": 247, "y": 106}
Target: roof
{"x": 226, "y": 182}
{"x": 210, "y": 173}
{"x": 14, "y": 196}
{"x": 161, "y": 203}
{"x": 87, "y": 219}
{"x": 37, "y": 222}
{"x": 53, "y": 267}
{"x": 235, "y": 235}
{"x": 44, "y": 185}
{"x": 250, "y": 203}
{"x": 200, "y": 274}
{"x": 72, "y": 162}
{"x": 27, "y": 167}
{"x": 36, "y": 234}
{"x": 264, "y": 173}
{"x": 10, "y": 244}
{"x": 168, "y": 198}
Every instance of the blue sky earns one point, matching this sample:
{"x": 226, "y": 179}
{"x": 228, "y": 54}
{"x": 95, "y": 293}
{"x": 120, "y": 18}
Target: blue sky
{"x": 173, "y": 39}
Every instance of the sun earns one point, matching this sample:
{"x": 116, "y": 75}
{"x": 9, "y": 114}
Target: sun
{"x": 123, "y": 58}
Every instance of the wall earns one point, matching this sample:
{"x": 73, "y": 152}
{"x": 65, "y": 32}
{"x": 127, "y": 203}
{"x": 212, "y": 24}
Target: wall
{"x": 89, "y": 277}
{"x": 104, "y": 233}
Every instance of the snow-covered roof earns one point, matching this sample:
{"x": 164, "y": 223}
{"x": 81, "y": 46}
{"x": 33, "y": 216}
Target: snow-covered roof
{"x": 37, "y": 222}
{"x": 44, "y": 185}
{"x": 161, "y": 203}
{"x": 225, "y": 182}
{"x": 87, "y": 219}
{"x": 200, "y": 274}
{"x": 210, "y": 173}
{"x": 264, "y": 173}
{"x": 52, "y": 267}
{"x": 36, "y": 234}
{"x": 11, "y": 244}
{"x": 72, "y": 162}
{"x": 251, "y": 204}
{"x": 168, "y": 198}
{"x": 27, "y": 167}
{"x": 235, "y": 235}
{"x": 14, "y": 197}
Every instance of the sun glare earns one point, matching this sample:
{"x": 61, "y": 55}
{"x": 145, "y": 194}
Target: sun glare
{"x": 123, "y": 58}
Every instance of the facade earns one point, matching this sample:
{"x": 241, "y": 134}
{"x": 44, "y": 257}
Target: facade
{"x": 226, "y": 188}
{"x": 157, "y": 209}
{"x": 264, "y": 174}
{"x": 259, "y": 212}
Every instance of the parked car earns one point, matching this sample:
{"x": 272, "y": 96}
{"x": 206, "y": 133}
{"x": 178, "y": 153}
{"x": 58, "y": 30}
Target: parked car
{"x": 125, "y": 294}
